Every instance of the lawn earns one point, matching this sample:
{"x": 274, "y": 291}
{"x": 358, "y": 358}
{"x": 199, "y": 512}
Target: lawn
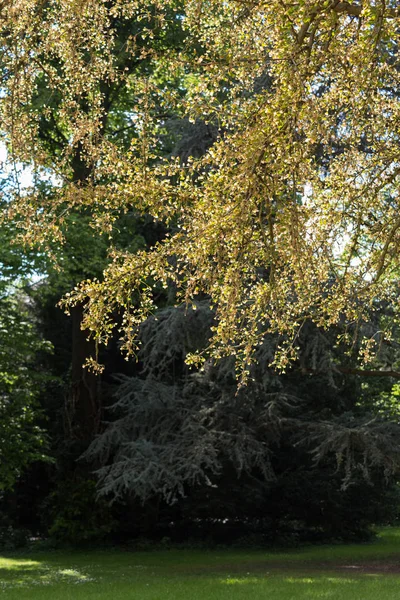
{"x": 356, "y": 572}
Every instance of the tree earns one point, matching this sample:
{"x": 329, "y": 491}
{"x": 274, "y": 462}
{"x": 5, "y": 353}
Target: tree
{"x": 64, "y": 165}
{"x": 61, "y": 156}
{"x": 288, "y": 221}
{"x": 291, "y": 215}
{"x": 292, "y": 454}
{"x": 22, "y": 439}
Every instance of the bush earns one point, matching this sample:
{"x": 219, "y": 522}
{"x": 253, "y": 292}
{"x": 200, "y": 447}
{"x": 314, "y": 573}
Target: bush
{"x": 79, "y": 517}
{"x": 11, "y": 536}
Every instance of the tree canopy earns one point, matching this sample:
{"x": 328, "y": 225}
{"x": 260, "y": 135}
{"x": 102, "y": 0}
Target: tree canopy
{"x": 292, "y": 213}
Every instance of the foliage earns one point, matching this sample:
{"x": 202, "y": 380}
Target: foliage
{"x": 292, "y": 213}
{"x": 22, "y": 440}
{"x": 12, "y": 538}
{"x": 283, "y": 456}
{"x": 78, "y": 517}
{"x": 388, "y": 402}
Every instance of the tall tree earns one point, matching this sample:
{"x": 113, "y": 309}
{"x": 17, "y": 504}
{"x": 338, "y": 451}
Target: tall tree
{"x": 71, "y": 116}
{"x": 284, "y": 216}
{"x": 291, "y": 216}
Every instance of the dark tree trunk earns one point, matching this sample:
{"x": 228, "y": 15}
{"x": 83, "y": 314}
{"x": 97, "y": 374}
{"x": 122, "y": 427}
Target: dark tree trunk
{"x": 83, "y": 408}
{"x": 83, "y": 404}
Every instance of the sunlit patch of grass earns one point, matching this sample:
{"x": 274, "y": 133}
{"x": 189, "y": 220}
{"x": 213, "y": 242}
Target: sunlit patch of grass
{"x": 343, "y": 579}
{"x": 74, "y": 574}
{"x": 239, "y": 580}
{"x": 299, "y": 580}
{"x": 18, "y": 563}
{"x": 318, "y": 578}
{"x": 17, "y": 572}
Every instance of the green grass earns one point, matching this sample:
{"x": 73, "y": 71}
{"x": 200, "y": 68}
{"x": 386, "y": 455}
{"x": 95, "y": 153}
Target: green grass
{"x": 324, "y": 572}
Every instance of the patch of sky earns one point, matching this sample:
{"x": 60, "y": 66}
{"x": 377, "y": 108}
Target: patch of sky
{"x": 23, "y": 176}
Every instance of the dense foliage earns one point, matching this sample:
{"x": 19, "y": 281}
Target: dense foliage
{"x": 213, "y": 189}
{"x": 22, "y": 440}
{"x": 290, "y": 216}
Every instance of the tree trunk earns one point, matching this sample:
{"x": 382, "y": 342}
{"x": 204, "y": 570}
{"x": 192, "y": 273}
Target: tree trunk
{"x": 83, "y": 405}
{"x": 83, "y": 408}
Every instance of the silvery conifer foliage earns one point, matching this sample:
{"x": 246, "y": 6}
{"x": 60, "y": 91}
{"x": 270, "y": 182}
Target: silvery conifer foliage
{"x": 173, "y": 427}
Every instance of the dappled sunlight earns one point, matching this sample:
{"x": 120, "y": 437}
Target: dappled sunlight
{"x": 306, "y": 586}
{"x": 299, "y": 580}
{"x": 15, "y": 572}
{"x": 319, "y": 580}
{"x": 239, "y": 580}
{"x": 73, "y": 574}
{"x": 18, "y": 563}
{"x": 341, "y": 579}
{"x": 203, "y": 575}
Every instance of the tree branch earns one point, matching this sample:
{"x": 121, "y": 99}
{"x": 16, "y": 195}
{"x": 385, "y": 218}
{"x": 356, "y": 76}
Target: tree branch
{"x": 360, "y": 372}
{"x": 355, "y": 10}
